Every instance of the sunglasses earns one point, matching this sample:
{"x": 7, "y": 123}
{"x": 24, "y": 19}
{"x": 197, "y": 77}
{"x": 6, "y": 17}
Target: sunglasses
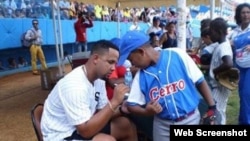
{"x": 35, "y": 23}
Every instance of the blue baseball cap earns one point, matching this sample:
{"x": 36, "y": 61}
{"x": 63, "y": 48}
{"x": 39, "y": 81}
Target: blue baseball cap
{"x": 116, "y": 41}
{"x": 132, "y": 40}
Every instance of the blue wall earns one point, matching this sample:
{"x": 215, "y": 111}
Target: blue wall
{"x": 12, "y": 29}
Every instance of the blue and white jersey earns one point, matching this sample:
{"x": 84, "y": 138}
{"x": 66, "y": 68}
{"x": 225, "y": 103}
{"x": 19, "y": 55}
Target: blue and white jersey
{"x": 241, "y": 44}
{"x": 171, "y": 82}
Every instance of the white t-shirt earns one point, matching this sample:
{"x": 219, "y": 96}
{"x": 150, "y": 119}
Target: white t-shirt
{"x": 154, "y": 29}
{"x": 223, "y": 49}
{"x": 135, "y": 27}
{"x": 209, "y": 49}
{"x": 73, "y": 101}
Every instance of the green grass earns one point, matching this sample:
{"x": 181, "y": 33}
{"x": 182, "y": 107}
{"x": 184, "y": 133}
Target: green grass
{"x": 233, "y": 108}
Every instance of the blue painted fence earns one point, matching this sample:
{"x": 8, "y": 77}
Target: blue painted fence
{"x": 11, "y": 30}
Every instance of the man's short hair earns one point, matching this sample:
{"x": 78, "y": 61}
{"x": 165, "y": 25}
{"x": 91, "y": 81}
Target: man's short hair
{"x": 34, "y": 21}
{"x": 102, "y": 46}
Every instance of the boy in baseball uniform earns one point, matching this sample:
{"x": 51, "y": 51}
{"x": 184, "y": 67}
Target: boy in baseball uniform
{"x": 167, "y": 86}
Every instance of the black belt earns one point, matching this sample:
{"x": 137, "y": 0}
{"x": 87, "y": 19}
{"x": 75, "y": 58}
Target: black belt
{"x": 184, "y": 116}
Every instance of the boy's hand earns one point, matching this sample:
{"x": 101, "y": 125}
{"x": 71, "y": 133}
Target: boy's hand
{"x": 153, "y": 107}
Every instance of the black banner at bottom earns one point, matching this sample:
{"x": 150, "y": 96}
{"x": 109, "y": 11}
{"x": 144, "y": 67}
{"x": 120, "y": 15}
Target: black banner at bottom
{"x": 239, "y": 132}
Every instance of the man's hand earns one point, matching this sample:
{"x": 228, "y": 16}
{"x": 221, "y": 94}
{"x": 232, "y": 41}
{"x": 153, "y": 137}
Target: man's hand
{"x": 119, "y": 92}
{"x": 153, "y": 107}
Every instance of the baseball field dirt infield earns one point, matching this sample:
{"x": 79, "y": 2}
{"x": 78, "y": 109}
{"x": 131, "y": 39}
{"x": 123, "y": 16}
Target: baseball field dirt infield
{"x": 18, "y": 94}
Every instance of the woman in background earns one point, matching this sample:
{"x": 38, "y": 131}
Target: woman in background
{"x": 241, "y": 46}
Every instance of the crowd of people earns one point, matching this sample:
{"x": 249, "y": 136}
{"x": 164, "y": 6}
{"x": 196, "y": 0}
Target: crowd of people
{"x": 42, "y": 9}
{"x": 69, "y": 9}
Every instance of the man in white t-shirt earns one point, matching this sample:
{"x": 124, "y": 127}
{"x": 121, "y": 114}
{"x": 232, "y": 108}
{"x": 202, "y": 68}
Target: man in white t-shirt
{"x": 78, "y": 109}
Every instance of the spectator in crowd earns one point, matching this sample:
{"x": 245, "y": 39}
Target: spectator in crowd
{"x": 42, "y": 13}
{"x": 154, "y": 41}
{"x": 98, "y": 11}
{"x": 144, "y": 15}
{"x": 78, "y": 109}
{"x": 80, "y": 27}
{"x": 163, "y": 28}
{"x": 221, "y": 60}
{"x": 207, "y": 51}
{"x": 135, "y": 25}
{"x": 205, "y": 61}
{"x": 22, "y": 62}
{"x": 2, "y": 67}
{"x": 17, "y": 14}
{"x": 113, "y": 16}
{"x": 172, "y": 16}
{"x": 126, "y": 15}
{"x": 36, "y": 51}
{"x": 10, "y": 5}
{"x": 156, "y": 26}
{"x": 12, "y": 63}
{"x": 241, "y": 46}
{"x": 21, "y": 4}
{"x": 169, "y": 38}
{"x": 189, "y": 35}
{"x": 2, "y": 13}
{"x": 64, "y": 6}
{"x": 105, "y": 13}
{"x": 200, "y": 44}
{"x": 72, "y": 10}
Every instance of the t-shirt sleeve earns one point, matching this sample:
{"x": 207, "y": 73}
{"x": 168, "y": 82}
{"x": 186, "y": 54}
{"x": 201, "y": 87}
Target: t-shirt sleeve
{"x": 136, "y": 97}
{"x": 225, "y": 50}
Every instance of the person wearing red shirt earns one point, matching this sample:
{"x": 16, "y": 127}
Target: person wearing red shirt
{"x": 116, "y": 77}
{"x": 80, "y": 27}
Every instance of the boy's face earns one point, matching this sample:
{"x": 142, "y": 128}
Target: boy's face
{"x": 139, "y": 58}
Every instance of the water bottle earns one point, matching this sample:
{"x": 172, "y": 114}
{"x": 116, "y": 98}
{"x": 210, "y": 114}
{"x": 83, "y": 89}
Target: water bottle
{"x": 128, "y": 78}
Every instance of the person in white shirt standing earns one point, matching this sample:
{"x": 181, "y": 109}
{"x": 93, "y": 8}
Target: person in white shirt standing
{"x": 78, "y": 108}
{"x": 35, "y": 34}
{"x": 222, "y": 60}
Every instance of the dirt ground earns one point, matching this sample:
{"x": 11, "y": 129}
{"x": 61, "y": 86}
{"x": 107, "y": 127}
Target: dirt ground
{"x": 18, "y": 94}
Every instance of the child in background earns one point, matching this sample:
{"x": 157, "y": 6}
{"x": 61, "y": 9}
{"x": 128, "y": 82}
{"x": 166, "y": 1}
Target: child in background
{"x": 222, "y": 60}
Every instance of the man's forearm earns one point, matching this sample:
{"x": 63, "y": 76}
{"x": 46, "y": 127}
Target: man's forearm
{"x": 97, "y": 121}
